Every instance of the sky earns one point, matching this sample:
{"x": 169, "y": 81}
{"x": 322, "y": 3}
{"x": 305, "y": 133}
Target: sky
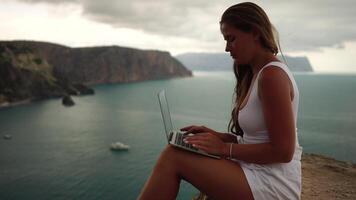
{"x": 322, "y": 30}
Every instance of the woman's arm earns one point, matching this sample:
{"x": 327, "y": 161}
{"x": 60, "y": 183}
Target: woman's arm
{"x": 228, "y": 138}
{"x": 275, "y": 95}
{"x": 264, "y": 153}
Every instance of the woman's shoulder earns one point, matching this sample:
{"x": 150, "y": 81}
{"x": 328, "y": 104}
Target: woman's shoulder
{"x": 274, "y": 81}
{"x": 273, "y": 78}
{"x": 273, "y": 73}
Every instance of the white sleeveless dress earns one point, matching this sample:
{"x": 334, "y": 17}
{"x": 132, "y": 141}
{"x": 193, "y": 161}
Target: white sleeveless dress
{"x": 269, "y": 181}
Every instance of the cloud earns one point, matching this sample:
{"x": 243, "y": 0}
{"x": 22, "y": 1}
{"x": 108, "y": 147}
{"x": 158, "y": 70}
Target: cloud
{"x": 316, "y": 24}
{"x": 303, "y": 25}
{"x": 51, "y": 1}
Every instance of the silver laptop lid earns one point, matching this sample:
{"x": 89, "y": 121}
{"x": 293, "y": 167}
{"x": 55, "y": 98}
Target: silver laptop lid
{"x": 165, "y": 113}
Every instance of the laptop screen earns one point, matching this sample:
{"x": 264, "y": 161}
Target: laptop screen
{"x": 165, "y": 112}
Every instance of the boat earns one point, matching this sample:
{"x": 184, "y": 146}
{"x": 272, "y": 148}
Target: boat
{"x": 118, "y": 146}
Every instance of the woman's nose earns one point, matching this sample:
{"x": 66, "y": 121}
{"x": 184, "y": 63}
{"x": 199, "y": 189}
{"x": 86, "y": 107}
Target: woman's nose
{"x": 227, "y": 47}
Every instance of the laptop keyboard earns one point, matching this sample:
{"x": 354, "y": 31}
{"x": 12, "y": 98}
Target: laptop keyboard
{"x": 179, "y": 141}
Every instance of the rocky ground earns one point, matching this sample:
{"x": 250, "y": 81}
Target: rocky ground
{"x": 323, "y": 178}
{"x": 326, "y": 178}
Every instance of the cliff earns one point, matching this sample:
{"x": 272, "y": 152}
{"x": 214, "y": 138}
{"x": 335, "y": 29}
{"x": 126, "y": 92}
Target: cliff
{"x": 38, "y": 70}
{"x": 110, "y": 64}
{"x": 223, "y": 62}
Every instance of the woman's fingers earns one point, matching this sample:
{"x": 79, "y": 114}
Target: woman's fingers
{"x": 186, "y": 128}
{"x": 196, "y": 137}
{"x": 194, "y": 129}
{"x": 202, "y": 148}
{"x": 190, "y": 129}
{"x": 200, "y": 144}
{"x": 206, "y": 141}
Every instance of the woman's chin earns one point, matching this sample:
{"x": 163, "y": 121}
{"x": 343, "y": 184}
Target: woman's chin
{"x": 239, "y": 62}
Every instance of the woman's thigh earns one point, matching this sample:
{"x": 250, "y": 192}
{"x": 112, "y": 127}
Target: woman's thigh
{"x": 218, "y": 178}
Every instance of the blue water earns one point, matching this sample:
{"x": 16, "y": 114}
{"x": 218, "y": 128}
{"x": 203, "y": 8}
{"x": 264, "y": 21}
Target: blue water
{"x": 62, "y": 152}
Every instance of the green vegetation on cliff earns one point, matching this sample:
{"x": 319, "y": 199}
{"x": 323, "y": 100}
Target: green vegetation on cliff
{"x": 24, "y": 75}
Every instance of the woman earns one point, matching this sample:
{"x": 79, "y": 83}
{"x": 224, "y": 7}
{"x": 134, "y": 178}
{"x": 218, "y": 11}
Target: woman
{"x": 265, "y": 162}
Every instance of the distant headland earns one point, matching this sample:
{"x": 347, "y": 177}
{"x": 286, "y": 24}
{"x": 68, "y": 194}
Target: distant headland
{"x": 223, "y": 62}
{"x": 31, "y": 70}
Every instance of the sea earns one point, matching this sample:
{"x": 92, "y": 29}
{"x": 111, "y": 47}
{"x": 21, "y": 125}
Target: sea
{"x": 59, "y": 152}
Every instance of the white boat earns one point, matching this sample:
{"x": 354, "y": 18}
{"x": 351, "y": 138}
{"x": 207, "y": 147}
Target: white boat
{"x": 119, "y": 146}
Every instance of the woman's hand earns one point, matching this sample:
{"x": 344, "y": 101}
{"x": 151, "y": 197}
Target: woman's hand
{"x": 198, "y": 129}
{"x": 202, "y": 129}
{"x": 208, "y": 142}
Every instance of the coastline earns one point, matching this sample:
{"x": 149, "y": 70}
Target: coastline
{"x": 327, "y": 178}
{"x": 16, "y": 103}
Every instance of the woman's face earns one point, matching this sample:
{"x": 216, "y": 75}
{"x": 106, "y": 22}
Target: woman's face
{"x": 241, "y": 45}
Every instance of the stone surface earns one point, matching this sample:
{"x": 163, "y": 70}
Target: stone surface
{"x": 67, "y": 101}
{"x": 327, "y": 178}
{"x": 323, "y": 178}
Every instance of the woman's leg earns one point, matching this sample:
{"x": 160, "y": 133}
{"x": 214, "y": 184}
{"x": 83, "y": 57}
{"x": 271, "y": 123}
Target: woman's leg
{"x": 219, "y": 179}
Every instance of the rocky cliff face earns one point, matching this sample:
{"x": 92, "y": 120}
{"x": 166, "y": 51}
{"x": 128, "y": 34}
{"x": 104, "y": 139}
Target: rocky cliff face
{"x": 111, "y": 64}
{"x": 40, "y": 70}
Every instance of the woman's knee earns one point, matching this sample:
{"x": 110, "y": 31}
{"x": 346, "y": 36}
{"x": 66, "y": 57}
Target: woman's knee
{"x": 168, "y": 157}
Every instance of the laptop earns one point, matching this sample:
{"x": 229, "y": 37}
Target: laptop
{"x": 175, "y": 138}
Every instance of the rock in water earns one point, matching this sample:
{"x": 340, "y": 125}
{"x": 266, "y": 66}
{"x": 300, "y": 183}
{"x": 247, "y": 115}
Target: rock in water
{"x": 7, "y": 137}
{"x": 67, "y": 101}
{"x": 82, "y": 89}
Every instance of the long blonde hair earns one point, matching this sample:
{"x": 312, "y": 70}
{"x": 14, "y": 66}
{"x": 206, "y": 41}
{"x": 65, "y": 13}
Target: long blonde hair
{"x": 246, "y": 17}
